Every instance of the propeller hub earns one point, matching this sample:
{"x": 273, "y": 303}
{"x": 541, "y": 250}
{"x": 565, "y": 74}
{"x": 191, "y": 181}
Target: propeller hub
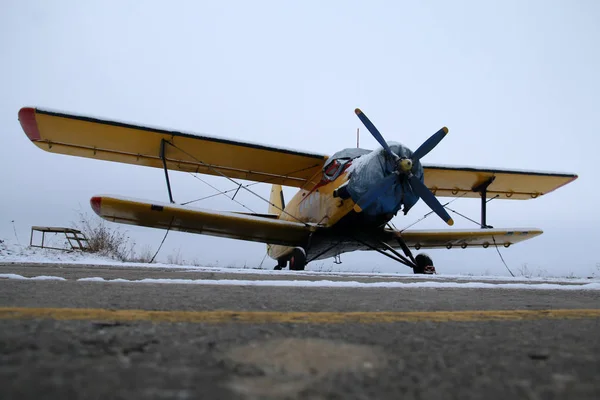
{"x": 406, "y": 164}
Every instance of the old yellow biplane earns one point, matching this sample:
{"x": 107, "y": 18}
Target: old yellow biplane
{"x": 344, "y": 203}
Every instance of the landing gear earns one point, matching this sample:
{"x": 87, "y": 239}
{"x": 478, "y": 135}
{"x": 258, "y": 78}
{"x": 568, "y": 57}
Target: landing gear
{"x": 424, "y": 265}
{"x": 298, "y": 260}
{"x": 280, "y": 264}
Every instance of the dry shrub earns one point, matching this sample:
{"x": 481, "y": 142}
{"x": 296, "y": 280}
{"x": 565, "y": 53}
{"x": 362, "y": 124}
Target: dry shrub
{"x": 145, "y": 255}
{"x": 175, "y": 258}
{"x": 105, "y": 241}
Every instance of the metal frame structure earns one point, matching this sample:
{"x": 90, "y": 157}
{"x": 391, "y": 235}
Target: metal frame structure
{"x": 76, "y": 239}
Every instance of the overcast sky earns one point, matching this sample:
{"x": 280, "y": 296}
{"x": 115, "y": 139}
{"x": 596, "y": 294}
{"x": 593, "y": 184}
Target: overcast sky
{"x": 516, "y": 82}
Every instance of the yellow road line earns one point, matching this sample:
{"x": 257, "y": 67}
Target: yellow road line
{"x": 215, "y": 317}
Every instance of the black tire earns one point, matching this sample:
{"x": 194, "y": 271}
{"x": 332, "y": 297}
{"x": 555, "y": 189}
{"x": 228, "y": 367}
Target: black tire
{"x": 297, "y": 260}
{"x": 423, "y": 260}
{"x": 280, "y": 265}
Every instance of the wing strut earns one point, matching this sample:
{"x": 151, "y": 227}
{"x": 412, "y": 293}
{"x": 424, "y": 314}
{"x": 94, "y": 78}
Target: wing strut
{"x": 163, "y": 142}
{"x": 482, "y": 190}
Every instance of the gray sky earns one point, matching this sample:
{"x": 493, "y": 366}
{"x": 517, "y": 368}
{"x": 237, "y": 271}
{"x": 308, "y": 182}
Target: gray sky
{"x": 516, "y": 82}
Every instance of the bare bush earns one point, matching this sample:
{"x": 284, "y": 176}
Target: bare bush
{"x": 524, "y": 270}
{"x": 144, "y": 256}
{"x": 105, "y": 241}
{"x": 175, "y": 258}
{"x": 529, "y": 272}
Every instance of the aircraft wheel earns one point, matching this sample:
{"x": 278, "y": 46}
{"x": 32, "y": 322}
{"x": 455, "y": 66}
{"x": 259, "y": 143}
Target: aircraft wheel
{"x": 424, "y": 264}
{"x": 298, "y": 260}
{"x": 280, "y": 265}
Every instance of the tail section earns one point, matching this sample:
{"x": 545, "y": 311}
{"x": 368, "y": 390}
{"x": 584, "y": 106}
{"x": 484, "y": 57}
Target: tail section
{"x": 277, "y": 203}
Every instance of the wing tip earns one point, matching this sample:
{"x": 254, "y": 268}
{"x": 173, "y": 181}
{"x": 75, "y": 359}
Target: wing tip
{"x": 450, "y": 222}
{"x": 357, "y": 111}
{"x": 96, "y": 203}
{"x": 29, "y": 123}
{"x": 445, "y": 130}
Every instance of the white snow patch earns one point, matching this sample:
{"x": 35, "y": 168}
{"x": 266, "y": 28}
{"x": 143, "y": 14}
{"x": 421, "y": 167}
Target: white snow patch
{"x": 11, "y": 252}
{"x": 92, "y": 279}
{"x": 354, "y": 284}
{"x": 33, "y": 278}
{"x": 359, "y": 162}
{"x": 326, "y": 283}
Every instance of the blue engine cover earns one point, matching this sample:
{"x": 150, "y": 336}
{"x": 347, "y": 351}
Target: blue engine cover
{"x": 369, "y": 169}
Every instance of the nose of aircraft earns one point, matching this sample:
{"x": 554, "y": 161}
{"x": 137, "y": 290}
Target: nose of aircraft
{"x": 376, "y": 183}
{"x": 402, "y": 177}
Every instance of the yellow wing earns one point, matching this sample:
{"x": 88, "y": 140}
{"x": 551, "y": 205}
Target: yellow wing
{"x": 452, "y": 181}
{"x": 195, "y": 220}
{"x": 120, "y": 142}
{"x": 462, "y": 238}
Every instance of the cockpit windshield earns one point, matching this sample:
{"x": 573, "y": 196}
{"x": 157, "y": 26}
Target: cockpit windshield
{"x": 336, "y": 164}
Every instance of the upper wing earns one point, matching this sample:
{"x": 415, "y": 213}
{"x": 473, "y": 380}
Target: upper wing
{"x": 120, "y": 142}
{"x": 461, "y": 238}
{"x": 195, "y": 220}
{"x": 449, "y": 181}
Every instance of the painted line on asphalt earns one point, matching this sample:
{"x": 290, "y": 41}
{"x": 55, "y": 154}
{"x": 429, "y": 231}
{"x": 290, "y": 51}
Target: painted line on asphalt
{"x": 261, "y": 317}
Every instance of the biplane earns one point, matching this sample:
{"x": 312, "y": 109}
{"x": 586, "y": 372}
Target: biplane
{"x": 345, "y": 201}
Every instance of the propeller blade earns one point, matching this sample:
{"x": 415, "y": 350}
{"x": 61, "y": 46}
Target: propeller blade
{"x": 429, "y": 144}
{"x": 425, "y": 194}
{"x": 371, "y": 128}
{"x": 376, "y": 190}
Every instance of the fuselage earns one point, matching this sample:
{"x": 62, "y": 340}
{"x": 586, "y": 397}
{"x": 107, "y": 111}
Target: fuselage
{"x": 317, "y": 204}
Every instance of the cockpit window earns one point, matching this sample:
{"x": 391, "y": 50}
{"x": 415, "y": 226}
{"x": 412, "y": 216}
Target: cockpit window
{"x": 339, "y": 161}
{"x": 334, "y": 169}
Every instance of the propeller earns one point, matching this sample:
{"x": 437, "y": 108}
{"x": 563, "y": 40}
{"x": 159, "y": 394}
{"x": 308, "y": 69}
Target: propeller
{"x": 404, "y": 169}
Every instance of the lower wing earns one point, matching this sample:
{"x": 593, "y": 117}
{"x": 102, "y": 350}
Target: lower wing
{"x": 461, "y": 238}
{"x": 195, "y": 220}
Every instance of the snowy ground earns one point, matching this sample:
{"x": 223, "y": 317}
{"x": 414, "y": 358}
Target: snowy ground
{"x": 13, "y": 253}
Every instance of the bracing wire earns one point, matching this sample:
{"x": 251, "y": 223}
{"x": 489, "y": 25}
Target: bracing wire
{"x": 163, "y": 240}
{"x": 493, "y": 238}
{"x": 216, "y": 194}
{"x": 220, "y": 192}
{"x": 268, "y": 180}
{"x": 238, "y": 184}
{"x": 263, "y": 260}
{"x": 431, "y": 212}
{"x": 465, "y": 217}
{"x": 472, "y": 220}
{"x": 502, "y": 258}
{"x": 223, "y": 193}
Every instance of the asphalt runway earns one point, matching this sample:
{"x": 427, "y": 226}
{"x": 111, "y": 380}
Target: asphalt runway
{"x": 109, "y": 339}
